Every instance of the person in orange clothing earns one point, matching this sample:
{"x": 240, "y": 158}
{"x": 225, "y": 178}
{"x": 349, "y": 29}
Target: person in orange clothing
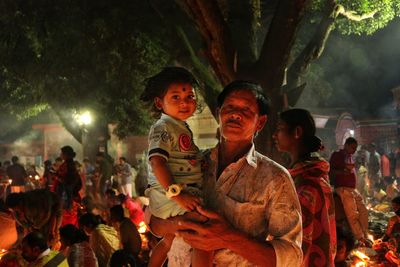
{"x": 295, "y": 134}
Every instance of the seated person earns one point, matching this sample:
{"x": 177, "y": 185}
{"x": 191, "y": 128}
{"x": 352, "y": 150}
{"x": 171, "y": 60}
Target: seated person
{"x": 393, "y": 227}
{"x": 36, "y": 251}
{"x": 79, "y": 252}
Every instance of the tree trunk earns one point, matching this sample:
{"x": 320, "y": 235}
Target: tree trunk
{"x": 313, "y": 49}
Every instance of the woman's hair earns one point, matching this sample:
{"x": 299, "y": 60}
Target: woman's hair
{"x": 122, "y": 258}
{"x": 157, "y": 85}
{"x": 297, "y": 117}
{"x": 72, "y": 234}
{"x": 262, "y": 101}
{"x": 68, "y": 151}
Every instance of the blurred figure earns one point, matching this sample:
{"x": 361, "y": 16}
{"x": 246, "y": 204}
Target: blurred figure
{"x": 105, "y": 171}
{"x": 8, "y": 229}
{"x": 393, "y": 226}
{"x": 37, "y": 210}
{"x": 345, "y": 244}
{"x": 47, "y": 174}
{"x": 88, "y": 171}
{"x": 374, "y": 165}
{"x": 128, "y": 233}
{"x": 103, "y": 239}
{"x": 124, "y": 171}
{"x": 37, "y": 253}
{"x": 16, "y": 172}
{"x": 79, "y": 253}
{"x": 69, "y": 179}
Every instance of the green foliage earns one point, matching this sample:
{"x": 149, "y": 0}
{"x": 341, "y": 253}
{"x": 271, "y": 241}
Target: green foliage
{"x": 385, "y": 11}
{"x": 79, "y": 55}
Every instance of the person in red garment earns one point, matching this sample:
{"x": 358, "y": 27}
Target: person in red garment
{"x": 295, "y": 134}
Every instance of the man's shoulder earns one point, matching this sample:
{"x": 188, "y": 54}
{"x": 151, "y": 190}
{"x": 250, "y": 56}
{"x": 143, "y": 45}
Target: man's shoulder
{"x": 269, "y": 166}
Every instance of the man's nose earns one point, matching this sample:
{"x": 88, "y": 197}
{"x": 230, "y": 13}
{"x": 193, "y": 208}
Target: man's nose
{"x": 235, "y": 115}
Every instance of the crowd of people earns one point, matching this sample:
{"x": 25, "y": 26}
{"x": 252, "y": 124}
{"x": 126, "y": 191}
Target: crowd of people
{"x": 225, "y": 206}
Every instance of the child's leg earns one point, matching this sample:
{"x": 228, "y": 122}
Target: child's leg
{"x": 201, "y": 258}
{"x": 159, "y": 252}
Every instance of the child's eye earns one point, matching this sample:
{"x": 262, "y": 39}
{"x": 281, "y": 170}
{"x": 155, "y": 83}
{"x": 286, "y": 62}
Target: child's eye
{"x": 175, "y": 97}
{"x": 191, "y": 97}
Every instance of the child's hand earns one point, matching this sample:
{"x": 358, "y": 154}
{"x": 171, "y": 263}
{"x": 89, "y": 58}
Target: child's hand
{"x": 187, "y": 201}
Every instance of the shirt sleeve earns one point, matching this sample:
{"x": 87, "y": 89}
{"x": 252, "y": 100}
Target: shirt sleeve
{"x": 285, "y": 227}
{"x": 160, "y": 141}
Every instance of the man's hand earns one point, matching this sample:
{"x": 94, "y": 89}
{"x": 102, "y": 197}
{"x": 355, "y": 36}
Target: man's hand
{"x": 208, "y": 236}
{"x": 187, "y": 201}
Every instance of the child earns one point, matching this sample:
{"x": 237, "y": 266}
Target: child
{"x": 174, "y": 175}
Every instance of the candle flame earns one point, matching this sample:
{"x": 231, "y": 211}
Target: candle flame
{"x": 142, "y": 228}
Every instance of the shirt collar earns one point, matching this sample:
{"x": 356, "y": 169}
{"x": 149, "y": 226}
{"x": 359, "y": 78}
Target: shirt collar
{"x": 250, "y": 156}
{"x": 43, "y": 254}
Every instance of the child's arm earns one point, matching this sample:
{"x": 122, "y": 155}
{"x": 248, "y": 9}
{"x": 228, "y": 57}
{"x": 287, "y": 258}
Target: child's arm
{"x": 164, "y": 177}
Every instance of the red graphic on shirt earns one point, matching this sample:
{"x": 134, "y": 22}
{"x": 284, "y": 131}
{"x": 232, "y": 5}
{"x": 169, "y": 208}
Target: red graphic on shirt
{"x": 184, "y": 142}
{"x": 192, "y": 162}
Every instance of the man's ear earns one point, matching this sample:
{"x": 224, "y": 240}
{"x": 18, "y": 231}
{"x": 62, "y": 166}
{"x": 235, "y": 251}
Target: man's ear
{"x": 158, "y": 103}
{"x": 217, "y": 111}
{"x": 298, "y": 132}
{"x": 262, "y": 120}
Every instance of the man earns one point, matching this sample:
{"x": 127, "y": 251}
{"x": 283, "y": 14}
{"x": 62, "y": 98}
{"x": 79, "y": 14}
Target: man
{"x": 343, "y": 175}
{"x": 17, "y": 174}
{"x": 104, "y": 162}
{"x": 36, "y": 252}
{"x": 124, "y": 171}
{"x": 374, "y": 165}
{"x": 37, "y": 210}
{"x": 256, "y": 217}
{"x": 128, "y": 233}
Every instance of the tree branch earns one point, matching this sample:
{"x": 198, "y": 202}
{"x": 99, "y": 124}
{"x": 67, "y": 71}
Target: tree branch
{"x": 209, "y": 20}
{"x": 351, "y": 15}
{"x": 314, "y": 48}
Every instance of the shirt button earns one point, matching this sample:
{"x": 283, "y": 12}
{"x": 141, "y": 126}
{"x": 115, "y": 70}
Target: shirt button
{"x": 181, "y": 169}
{"x": 189, "y": 169}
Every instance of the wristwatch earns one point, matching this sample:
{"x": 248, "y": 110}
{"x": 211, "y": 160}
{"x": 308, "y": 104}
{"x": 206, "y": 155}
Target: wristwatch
{"x": 174, "y": 190}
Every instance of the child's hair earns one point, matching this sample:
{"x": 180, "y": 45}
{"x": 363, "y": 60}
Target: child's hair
{"x": 157, "y": 85}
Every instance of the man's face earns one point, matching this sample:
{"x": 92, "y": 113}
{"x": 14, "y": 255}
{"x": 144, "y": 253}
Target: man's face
{"x": 239, "y": 117}
{"x": 30, "y": 254}
{"x": 350, "y": 148}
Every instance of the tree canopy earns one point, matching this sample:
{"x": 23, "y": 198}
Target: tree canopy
{"x": 70, "y": 55}
{"x": 76, "y": 55}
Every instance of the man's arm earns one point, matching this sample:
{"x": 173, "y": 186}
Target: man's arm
{"x": 217, "y": 233}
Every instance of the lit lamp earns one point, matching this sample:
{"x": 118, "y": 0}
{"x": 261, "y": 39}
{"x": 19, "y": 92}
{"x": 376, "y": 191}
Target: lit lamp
{"x": 9, "y": 181}
{"x": 84, "y": 119}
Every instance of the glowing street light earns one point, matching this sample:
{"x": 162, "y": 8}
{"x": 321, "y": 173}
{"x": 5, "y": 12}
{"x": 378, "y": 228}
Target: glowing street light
{"x": 84, "y": 118}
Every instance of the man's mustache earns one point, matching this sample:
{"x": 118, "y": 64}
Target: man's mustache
{"x": 233, "y": 121}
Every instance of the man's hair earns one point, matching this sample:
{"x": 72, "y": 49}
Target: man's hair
{"x": 36, "y": 239}
{"x": 347, "y": 237}
{"x": 117, "y": 212}
{"x": 396, "y": 200}
{"x": 122, "y": 258}
{"x": 263, "y": 102}
{"x": 14, "y": 159}
{"x": 350, "y": 141}
{"x": 14, "y": 199}
{"x": 123, "y": 159}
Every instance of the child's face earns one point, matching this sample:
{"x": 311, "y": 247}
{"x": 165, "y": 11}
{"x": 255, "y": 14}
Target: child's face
{"x": 179, "y": 101}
